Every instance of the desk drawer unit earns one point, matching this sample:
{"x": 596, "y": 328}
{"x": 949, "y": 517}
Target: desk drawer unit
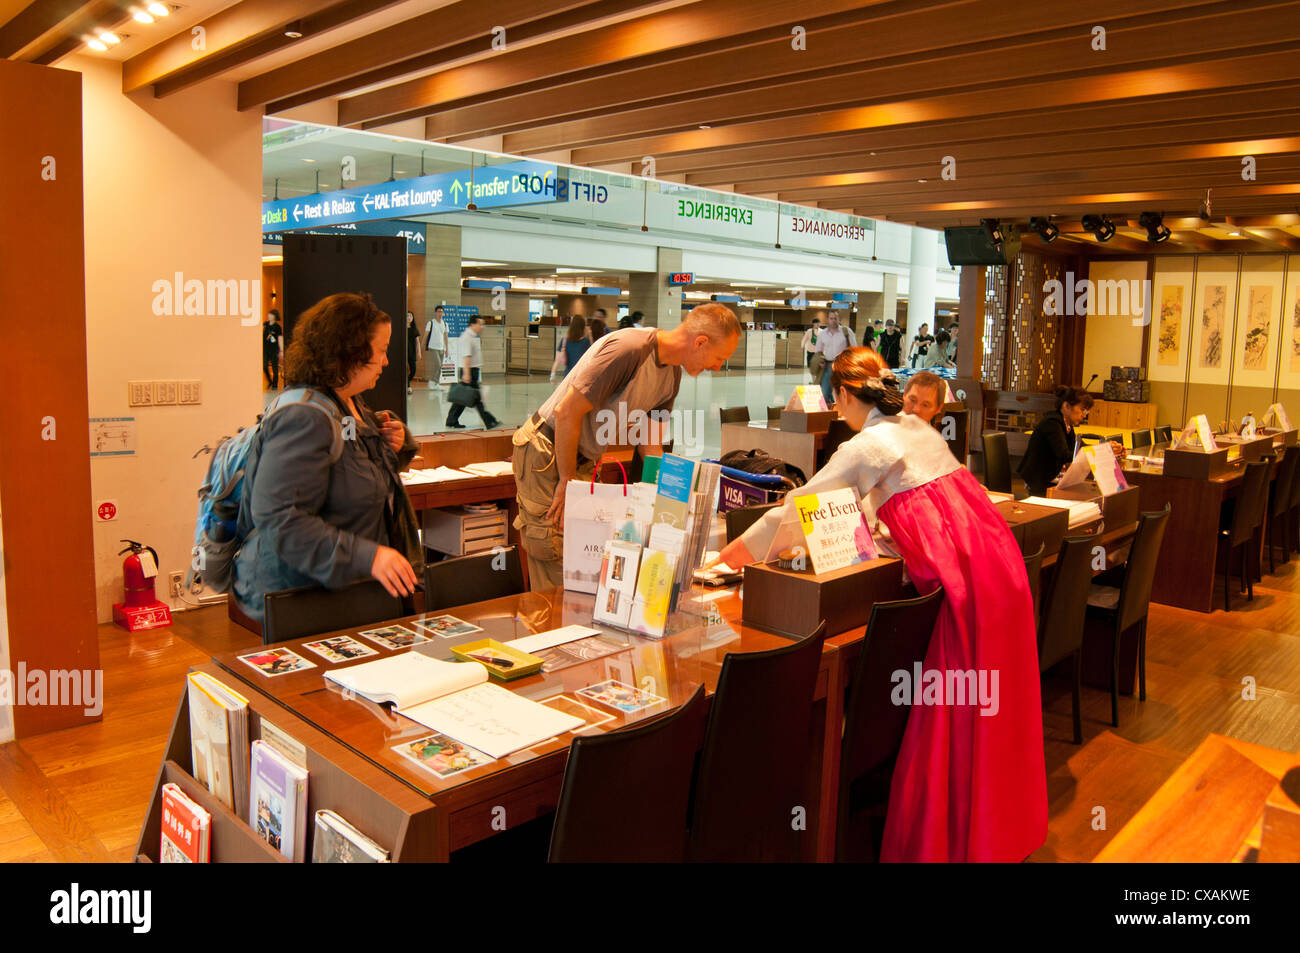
{"x": 456, "y": 532}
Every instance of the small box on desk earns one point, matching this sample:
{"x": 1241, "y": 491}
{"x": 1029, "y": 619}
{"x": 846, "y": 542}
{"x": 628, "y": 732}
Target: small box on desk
{"x": 1288, "y": 438}
{"x": 455, "y": 531}
{"x": 1033, "y": 525}
{"x": 1118, "y": 373}
{"x": 1118, "y": 509}
{"x": 1129, "y": 391}
{"x": 794, "y": 603}
{"x": 1252, "y": 448}
{"x": 798, "y": 421}
{"x": 1196, "y": 464}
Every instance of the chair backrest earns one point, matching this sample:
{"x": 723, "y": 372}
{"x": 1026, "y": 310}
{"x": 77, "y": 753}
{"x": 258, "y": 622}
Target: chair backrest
{"x": 734, "y": 415}
{"x": 1034, "y": 569}
{"x": 997, "y": 463}
{"x": 774, "y": 413}
{"x": 1295, "y": 490}
{"x": 742, "y": 518}
{"x": 1249, "y": 505}
{"x": 1060, "y": 631}
{"x": 1279, "y": 501}
{"x": 1143, "y": 438}
{"x": 1164, "y": 434}
{"x": 1140, "y": 570}
{"x": 477, "y": 578}
{"x": 898, "y": 637}
{"x": 756, "y": 754}
{"x": 311, "y": 610}
{"x": 627, "y": 793}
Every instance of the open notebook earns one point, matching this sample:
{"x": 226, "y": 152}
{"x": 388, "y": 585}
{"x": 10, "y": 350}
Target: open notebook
{"x": 455, "y": 699}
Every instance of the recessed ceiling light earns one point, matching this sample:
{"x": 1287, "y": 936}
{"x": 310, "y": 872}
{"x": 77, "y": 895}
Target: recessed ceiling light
{"x": 873, "y": 153}
{"x": 140, "y": 16}
{"x": 98, "y": 46}
{"x": 1235, "y": 234}
{"x": 705, "y": 125}
{"x": 158, "y": 9}
{"x": 293, "y": 34}
{"x": 308, "y": 160}
{"x": 920, "y": 180}
{"x": 109, "y": 38}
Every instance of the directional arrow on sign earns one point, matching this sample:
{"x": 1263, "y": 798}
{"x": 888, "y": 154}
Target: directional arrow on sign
{"x": 365, "y": 202}
{"x": 297, "y": 213}
{"x": 455, "y": 190}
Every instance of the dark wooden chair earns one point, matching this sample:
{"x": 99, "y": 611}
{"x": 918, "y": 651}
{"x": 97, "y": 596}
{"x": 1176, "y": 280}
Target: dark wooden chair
{"x": 898, "y": 636}
{"x": 734, "y": 415}
{"x": 1279, "y": 505}
{"x": 742, "y": 518}
{"x": 1127, "y": 606}
{"x": 1034, "y": 569}
{"x": 774, "y": 413}
{"x": 1164, "y": 434}
{"x": 1143, "y": 439}
{"x": 311, "y": 610}
{"x": 1237, "y": 537}
{"x": 756, "y": 755}
{"x": 1060, "y": 629}
{"x": 477, "y": 578}
{"x": 626, "y": 794}
{"x": 997, "y": 463}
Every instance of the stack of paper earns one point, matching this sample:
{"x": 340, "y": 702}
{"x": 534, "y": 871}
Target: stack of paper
{"x": 491, "y": 468}
{"x": 437, "y": 475}
{"x": 1081, "y": 511}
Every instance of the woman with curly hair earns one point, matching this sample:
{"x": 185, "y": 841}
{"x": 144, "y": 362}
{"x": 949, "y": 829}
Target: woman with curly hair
{"x": 322, "y": 501}
{"x": 965, "y": 787}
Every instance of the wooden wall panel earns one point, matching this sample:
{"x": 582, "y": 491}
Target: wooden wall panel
{"x": 45, "y": 483}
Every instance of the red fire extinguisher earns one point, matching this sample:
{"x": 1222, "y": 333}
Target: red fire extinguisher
{"x": 140, "y": 609}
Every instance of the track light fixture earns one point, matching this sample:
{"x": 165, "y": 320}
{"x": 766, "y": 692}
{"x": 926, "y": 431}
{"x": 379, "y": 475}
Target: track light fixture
{"x": 993, "y": 229}
{"x": 1102, "y": 228}
{"x": 1044, "y": 229}
{"x": 1157, "y": 230}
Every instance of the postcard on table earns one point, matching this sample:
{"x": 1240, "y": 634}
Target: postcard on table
{"x": 446, "y": 625}
{"x": 442, "y": 755}
{"x": 577, "y": 709}
{"x": 393, "y": 637}
{"x": 341, "y": 648}
{"x": 276, "y": 662}
{"x": 622, "y": 697}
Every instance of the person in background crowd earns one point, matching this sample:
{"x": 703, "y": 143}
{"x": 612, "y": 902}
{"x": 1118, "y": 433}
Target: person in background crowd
{"x": 572, "y": 346}
{"x": 412, "y": 348}
{"x": 849, "y": 332}
{"x": 436, "y": 343}
{"x": 830, "y": 343}
{"x": 869, "y": 337}
{"x": 938, "y": 355}
{"x": 638, "y": 319}
{"x": 626, "y": 374}
{"x": 471, "y": 349}
{"x": 323, "y": 521}
{"x": 809, "y": 345}
{"x": 924, "y": 396}
{"x": 952, "y": 343}
{"x": 1051, "y": 445}
{"x": 626, "y": 321}
{"x": 596, "y": 329}
{"x": 964, "y": 787}
{"x": 920, "y": 346}
{"x": 891, "y": 343}
{"x": 272, "y": 339}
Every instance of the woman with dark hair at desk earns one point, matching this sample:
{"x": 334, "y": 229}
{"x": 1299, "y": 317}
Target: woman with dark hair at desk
{"x": 966, "y": 787}
{"x": 1051, "y": 445}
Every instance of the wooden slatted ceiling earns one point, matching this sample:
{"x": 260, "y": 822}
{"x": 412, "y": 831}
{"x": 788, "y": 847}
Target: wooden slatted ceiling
{"x": 1038, "y": 121}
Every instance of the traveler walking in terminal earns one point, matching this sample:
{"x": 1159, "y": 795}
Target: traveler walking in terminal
{"x": 920, "y": 346}
{"x": 625, "y": 376}
{"x": 572, "y": 346}
{"x": 435, "y": 342}
{"x": 809, "y": 345}
{"x": 830, "y": 343}
{"x": 471, "y": 350}
{"x": 596, "y": 329}
{"x": 272, "y": 340}
{"x": 891, "y": 343}
{"x": 412, "y": 348}
{"x": 318, "y": 509}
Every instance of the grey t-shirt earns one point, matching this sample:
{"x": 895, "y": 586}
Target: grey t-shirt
{"x": 622, "y": 369}
{"x": 471, "y": 345}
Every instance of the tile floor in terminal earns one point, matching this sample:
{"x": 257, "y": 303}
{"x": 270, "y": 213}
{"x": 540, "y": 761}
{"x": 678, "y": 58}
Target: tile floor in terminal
{"x": 513, "y": 398}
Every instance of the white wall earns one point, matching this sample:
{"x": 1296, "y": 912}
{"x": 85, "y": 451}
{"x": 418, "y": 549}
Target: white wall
{"x": 172, "y": 185}
{"x": 1112, "y": 339}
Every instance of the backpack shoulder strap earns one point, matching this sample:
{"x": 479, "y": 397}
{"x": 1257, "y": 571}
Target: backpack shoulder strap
{"x": 311, "y": 397}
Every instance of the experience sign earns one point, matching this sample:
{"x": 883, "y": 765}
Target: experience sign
{"x": 493, "y": 186}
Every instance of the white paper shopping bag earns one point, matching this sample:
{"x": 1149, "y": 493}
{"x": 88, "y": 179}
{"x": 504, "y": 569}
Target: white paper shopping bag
{"x": 592, "y": 513}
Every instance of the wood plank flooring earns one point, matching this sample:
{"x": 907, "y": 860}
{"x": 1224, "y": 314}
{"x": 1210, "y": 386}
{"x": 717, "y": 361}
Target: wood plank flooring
{"x": 81, "y": 794}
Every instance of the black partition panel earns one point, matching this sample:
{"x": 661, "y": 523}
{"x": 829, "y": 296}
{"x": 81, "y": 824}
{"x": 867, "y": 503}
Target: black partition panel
{"x": 316, "y": 266}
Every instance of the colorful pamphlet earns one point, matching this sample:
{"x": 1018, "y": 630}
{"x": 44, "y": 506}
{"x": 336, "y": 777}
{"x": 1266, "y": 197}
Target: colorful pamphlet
{"x": 1105, "y": 469}
{"x": 446, "y": 625}
{"x": 441, "y": 755}
{"x": 617, "y": 586}
{"x": 272, "y": 662}
{"x": 393, "y": 637}
{"x": 341, "y": 648}
{"x": 676, "y": 482}
{"x": 278, "y": 801}
{"x": 807, "y": 398}
{"x": 624, "y": 698}
{"x": 218, "y": 739}
{"x": 1276, "y": 415}
{"x": 338, "y": 842}
{"x": 835, "y": 530}
{"x": 653, "y": 595}
{"x": 186, "y": 828}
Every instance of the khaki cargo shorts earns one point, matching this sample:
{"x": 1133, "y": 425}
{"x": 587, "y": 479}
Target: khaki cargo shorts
{"x": 536, "y": 478}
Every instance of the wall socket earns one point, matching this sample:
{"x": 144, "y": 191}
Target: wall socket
{"x": 189, "y": 392}
{"x": 175, "y": 583}
{"x": 162, "y": 393}
{"x": 139, "y": 393}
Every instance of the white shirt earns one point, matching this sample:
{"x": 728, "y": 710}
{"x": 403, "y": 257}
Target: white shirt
{"x": 437, "y": 335}
{"x": 831, "y": 343}
{"x": 472, "y": 346}
{"x": 890, "y": 454}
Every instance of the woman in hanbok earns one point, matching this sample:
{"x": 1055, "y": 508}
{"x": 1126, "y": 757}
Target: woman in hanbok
{"x": 968, "y": 786}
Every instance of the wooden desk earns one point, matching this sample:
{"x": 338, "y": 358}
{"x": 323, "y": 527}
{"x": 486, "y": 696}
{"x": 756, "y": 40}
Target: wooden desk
{"x": 797, "y": 449}
{"x": 1211, "y": 810}
{"x": 527, "y": 783}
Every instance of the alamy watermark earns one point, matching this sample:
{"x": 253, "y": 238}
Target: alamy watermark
{"x": 949, "y": 688}
{"x": 1115, "y": 298}
{"x": 179, "y": 295}
{"x": 60, "y": 688}
{"x": 635, "y": 427}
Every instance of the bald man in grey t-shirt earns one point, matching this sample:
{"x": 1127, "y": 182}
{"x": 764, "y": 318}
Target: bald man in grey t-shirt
{"x": 624, "y": 372}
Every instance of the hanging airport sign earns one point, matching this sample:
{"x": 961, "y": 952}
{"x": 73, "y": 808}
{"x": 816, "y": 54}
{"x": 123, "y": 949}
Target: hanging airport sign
{"x": 415, "y": 233}
{"x": 491, "y": 186}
